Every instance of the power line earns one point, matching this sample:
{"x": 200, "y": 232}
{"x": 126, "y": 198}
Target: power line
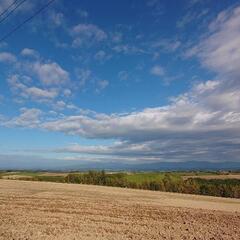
{"x": 12, "y": 11}
{"x": 27, "y": 20}
{"x": 6, "y": 10}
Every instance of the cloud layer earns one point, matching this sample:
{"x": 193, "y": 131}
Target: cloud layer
{"x": 203, "y": 123}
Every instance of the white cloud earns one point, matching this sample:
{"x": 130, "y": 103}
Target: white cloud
{"x": 29, "y": 118}
{"x": 61, "y": 105}
{"x": 7, "y": 57}
{"x": 40, "y": 93}
{"x": 51, "y": 73}
{"x": 29, "y": 53}
{"x": 102, "y": 56}
{"x": 157, "y": 70}
{"x": 123, "y": 149}
{"x": 117, "y": 37}
{"x": 83, "y": 75}
{"x": 38, "y": 80}
{"x": 207, "y": 86}
{"x": 123, "y": 75}
{"x": 56, "y": 18}
{"x": 148, "y": 124}
{"x": 191, "y": 17}
{"x": 128, "y": 50}
{"x": 87, "y": 34}
{"x": 67, "y": 92}
{"x": 32, "y": 92}
{"x": 167, "y": 45}
{"x": 220, "y": 49}
{"x": 102, "y": 84}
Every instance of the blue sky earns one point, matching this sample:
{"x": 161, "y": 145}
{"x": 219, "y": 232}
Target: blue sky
{"x": 135, "y": 81}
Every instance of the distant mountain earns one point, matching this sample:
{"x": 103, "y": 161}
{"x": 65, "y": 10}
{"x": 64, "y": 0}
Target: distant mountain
{"x": 64, "y": 165}
{"x": 174, "y": 166}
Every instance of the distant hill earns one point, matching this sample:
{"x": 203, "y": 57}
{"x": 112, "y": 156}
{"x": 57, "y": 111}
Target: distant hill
{"x": 66, "y": 165}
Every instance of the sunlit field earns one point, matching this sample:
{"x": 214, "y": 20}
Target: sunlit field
{"x": 44, "y": 210}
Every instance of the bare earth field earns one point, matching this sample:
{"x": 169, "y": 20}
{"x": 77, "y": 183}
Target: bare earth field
{"x": 40, "y": 210}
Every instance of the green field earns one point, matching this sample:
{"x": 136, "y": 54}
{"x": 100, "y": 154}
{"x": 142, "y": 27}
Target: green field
{"x": 142, "y": 177}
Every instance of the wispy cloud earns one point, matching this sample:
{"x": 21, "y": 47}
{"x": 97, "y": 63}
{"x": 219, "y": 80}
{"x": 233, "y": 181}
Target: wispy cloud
{"x": 191, "y": 17}
{"x": 87, "y": 34}
{"x": 102, "y": 84}
{"x": 28, "y": 52}
{"x": 30, "y": 92}
{"x": 128, "y": 49}
{"x": 29, "y": 118}
{"x": 7, "y": 57}
{"x": 220, "y": 49}
{"x": 83, "y": 75}
{"x": 102, "y": 56}
{"x": 166, "y": 45}
{"x": 157, "y": 70}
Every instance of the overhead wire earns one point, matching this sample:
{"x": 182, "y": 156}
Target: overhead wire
{"x": 9, "y": 7}
{"x": 12, "y": 11}
{"x": 26, "y": 20}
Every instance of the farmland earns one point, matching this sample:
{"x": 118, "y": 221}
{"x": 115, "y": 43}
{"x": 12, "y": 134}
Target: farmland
{"x": 222, "y": 184}
{"x": 44, "y": 210}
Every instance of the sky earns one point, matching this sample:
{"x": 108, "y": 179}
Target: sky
{"x": 136, "y": 81}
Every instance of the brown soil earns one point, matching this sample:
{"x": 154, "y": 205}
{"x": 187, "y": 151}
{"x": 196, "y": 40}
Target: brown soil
{"x": 40, "y": 210}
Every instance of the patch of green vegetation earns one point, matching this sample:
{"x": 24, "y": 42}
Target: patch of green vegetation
{"x": 144, "y": 177}
{"x": 60, "y": 179}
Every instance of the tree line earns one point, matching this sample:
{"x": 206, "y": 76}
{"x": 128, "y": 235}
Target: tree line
{"x": 169, "y": 183}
